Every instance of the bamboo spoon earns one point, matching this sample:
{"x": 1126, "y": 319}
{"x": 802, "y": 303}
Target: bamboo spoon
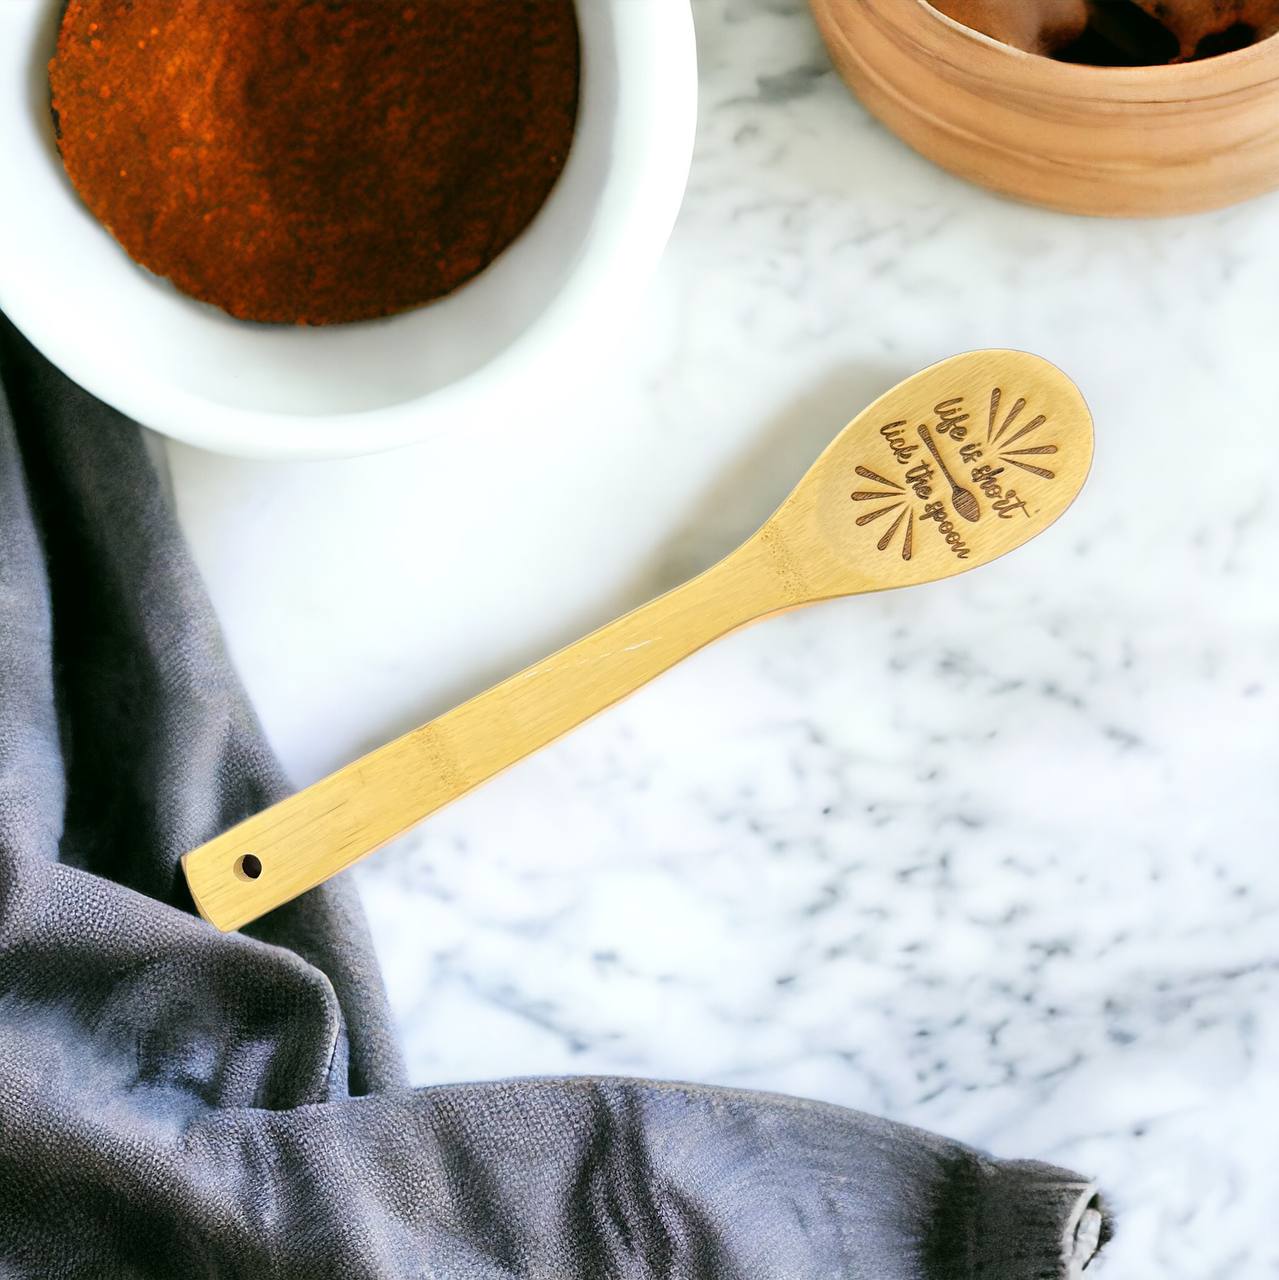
{"x": 876, "y": 510}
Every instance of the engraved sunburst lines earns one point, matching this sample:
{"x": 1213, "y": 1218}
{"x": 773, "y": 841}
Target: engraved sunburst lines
{"x": 893, "y": 496}
{"x": 1013, "y": 457}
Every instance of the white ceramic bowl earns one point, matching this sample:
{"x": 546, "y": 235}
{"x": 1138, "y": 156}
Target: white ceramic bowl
{"x": 543, "y": 310}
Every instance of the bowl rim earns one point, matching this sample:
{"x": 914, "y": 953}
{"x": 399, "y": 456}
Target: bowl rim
{"x": 653, "y": 137}
{"x": 1089, "y": 78}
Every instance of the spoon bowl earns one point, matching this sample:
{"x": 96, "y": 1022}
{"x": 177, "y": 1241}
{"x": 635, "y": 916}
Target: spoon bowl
{"x": 949, "y": 470}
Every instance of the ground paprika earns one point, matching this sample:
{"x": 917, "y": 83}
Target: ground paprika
{"x": 315, "y": 161}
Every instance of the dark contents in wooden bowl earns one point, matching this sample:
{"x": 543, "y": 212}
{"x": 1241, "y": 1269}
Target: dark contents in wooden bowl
{"x": 315, "y": 161}
{"x": 1120, "y": 33}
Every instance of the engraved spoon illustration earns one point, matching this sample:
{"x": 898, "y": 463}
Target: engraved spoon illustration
{"x": 823, "y": 542}
{"x": 963, "y": 500}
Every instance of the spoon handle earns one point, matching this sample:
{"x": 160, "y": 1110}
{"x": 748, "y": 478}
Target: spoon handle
{"x": 302, "y": 841}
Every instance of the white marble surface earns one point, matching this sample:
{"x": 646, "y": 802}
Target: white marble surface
{"x": 994, "y": 856}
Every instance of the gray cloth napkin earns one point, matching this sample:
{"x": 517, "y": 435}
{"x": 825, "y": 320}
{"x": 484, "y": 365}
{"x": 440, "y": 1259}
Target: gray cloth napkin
{"x": 179, "y": 1103}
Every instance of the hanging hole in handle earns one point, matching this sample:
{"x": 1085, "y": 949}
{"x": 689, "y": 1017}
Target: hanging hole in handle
{"x": 248, "y": 866}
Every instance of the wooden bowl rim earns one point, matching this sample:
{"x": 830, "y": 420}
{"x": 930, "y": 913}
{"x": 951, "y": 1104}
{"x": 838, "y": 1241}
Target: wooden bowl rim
{"x": 1204, "y": 75}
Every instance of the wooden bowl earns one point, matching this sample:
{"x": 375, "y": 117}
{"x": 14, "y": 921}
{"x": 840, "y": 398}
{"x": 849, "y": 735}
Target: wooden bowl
{"x": 1115, "y": 141}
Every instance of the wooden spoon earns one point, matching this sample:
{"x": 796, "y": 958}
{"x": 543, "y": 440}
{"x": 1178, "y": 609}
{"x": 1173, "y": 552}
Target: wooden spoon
{"x": 871, "y": 513}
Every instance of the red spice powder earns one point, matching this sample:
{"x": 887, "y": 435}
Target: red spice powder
{"x": 315, "y": 161}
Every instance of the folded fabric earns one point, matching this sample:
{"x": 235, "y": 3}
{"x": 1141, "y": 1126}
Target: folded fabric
{"x": 175, "y": 1102}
